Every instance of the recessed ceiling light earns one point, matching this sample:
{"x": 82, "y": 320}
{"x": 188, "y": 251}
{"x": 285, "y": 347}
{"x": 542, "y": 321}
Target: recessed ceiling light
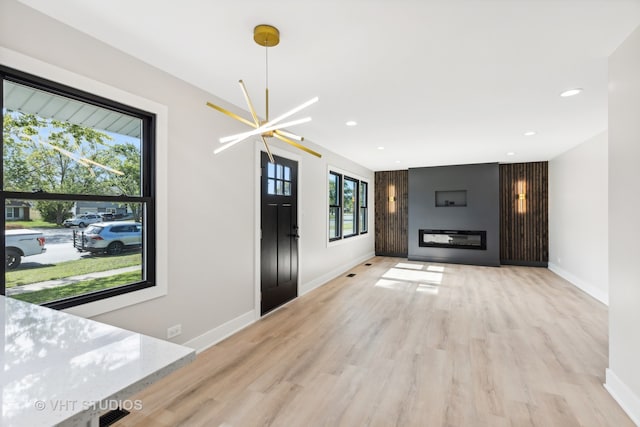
{"x": 351, "y": 123}
{"x": 530, "y": 133}
{"x": 571, "y": 92}
{"x": 380, "y": 148}
{"x": 397, "y": 161}
{"x": 511, "y": 153}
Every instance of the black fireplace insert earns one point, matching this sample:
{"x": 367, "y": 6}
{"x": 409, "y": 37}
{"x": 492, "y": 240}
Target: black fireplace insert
{"x": 458, "y": 239}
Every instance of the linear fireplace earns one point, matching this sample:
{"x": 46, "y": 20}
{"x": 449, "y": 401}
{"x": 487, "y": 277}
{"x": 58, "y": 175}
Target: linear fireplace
{"x": 458, "y": 239}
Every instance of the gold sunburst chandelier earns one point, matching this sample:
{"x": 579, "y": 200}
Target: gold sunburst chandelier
{"x": 267, "y": 36}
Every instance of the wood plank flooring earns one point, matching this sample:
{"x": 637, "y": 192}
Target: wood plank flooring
{"x": 405, "y": 344}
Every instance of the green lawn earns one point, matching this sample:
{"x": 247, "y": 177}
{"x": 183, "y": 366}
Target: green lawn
{"x": 25, "y": 276}
{"x": 80, "y": 288}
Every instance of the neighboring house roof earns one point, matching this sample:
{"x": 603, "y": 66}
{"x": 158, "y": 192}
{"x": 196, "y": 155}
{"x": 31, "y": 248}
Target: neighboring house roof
{"x": 17, "y": 204}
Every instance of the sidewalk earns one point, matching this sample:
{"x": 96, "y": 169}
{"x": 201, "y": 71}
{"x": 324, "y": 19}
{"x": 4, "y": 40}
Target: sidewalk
{"x": 67, "y": 281}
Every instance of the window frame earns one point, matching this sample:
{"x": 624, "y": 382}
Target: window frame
{"x": 147, "y": 195}
{"x": 355, "y": 206}
{"x": 342, "y": 178}
{"x": 337, "y": 207}
{"x": 363, "y": 208}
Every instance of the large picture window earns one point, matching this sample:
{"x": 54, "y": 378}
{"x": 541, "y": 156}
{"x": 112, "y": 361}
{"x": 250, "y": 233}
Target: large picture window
{"x": 348, "y": 210}
{"x": 79, "y": 194}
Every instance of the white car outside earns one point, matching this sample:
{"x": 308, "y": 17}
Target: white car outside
{"x": 110, "y": 238}
{"x": 82, "y": 220}
{"x": 19, "y": 243}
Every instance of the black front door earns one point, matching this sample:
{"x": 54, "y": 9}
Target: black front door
{"x": 279, "y": 222}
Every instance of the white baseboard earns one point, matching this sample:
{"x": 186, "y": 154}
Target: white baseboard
{"x": 316, "y": 283}
{"x": 627, "y": 400}
{"x": 215, "y": 335}
{"x": 598, "y": 294}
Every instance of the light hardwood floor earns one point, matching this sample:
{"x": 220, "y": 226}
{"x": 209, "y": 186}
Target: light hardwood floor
{"x": 405, "y": 344}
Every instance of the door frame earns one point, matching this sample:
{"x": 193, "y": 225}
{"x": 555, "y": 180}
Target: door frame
{"x": 257, "y": 289}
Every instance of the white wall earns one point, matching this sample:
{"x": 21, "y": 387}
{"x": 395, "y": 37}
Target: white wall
{"x": 578, "y": 217}
{"x": 623, "y": 375}
{"x": 210, "y": 268}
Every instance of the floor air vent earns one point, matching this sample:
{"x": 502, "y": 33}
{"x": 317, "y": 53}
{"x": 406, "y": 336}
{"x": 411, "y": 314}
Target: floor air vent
{"x": 351, "y": 274}
{"x": 112, "y": 416}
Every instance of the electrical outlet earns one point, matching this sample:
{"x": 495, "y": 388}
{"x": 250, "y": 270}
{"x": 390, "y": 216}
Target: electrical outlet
{"x": 174, "y": 331}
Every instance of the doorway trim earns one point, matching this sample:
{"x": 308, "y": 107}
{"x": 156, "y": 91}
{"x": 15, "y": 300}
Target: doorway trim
{"x": 257, "y": 215}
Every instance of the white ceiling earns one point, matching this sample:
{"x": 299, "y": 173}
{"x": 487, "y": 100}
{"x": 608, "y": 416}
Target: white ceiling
{"x": 434, "y": 82}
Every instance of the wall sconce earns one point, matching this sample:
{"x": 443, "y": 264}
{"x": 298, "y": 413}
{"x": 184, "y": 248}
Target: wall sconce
{"x": 392, "y": 198}
{"x": 521, "y": 197}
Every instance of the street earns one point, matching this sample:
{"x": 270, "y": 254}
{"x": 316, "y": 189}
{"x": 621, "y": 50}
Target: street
{"x": 56, "y": 252}
{"x": 58, "y": 242}
{"x": 56, "y": 235}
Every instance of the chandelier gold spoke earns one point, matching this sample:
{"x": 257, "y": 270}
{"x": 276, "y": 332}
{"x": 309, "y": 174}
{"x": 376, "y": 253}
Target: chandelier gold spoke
{"x": 252, "y": 110}
{"x": 232, "y": 115}
{"x": 267, "y": 36}
{"x": 288, "y": 135}
{"x": 297, "y": 145}
{"x": 266, "y": 147}
{"x": 249, "y": 103}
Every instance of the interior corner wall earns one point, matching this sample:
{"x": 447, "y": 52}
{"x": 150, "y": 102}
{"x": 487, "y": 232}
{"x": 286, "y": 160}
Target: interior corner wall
{"x": 578, "y": 216}
{"x": 211, "y": 266}
{"x": 481, "y": 211}
{"x": 623, "y": 375}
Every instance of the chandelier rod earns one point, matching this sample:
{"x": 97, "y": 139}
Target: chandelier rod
{"x": 266, "y": 84}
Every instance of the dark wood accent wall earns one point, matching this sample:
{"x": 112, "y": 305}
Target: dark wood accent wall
{"x": 392, "y": 215}
{"x": 524, "y": 222}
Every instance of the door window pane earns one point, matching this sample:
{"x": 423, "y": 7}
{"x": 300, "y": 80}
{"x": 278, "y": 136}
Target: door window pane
{"x": 279, "y": 180}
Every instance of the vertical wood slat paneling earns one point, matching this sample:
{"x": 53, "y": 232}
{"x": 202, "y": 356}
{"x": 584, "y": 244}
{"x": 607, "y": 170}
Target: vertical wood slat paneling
{"x": 392, "y": 217}
{"x": 524, "y": 225}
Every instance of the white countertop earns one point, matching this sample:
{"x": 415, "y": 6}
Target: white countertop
{"x": 58, "y": 366}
